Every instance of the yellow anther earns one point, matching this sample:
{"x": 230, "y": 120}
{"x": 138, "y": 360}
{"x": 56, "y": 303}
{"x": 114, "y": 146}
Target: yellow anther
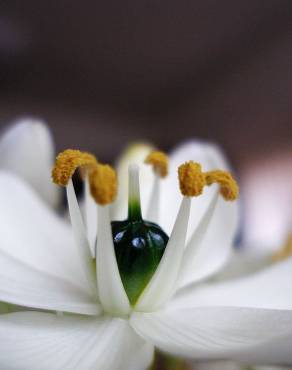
{"x": 192, "y": 181}
{"x": 228, "y": 186}
{"x": 67, "y": 162}
{"x": 103, "y": 184}
{"x": 159, "y": 161}
{"x": 285, "y": 252}
{"x": 102, "y": 178}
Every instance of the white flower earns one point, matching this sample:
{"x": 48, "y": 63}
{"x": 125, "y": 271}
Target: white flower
{"x": 81, "y": 315}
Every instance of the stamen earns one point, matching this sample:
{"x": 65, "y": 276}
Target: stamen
{"x": 285, "y": 252}
{"x": 102, "y": 178}
{"x": 192, "y": 181}
{"x": 159, "y": 161}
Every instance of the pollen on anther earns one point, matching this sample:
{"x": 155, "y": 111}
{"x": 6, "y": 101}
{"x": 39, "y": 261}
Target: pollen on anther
{"x": 159, "y": 161}
{"x": 102, "y": 178}
{"x": 228, "y": 186}
{"x": 191, "y": 179}
{"x": 103, "y": 184}
{"x": 67, "y": 162}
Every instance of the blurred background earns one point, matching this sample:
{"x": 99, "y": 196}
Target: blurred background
{"x": 105, "y": 73}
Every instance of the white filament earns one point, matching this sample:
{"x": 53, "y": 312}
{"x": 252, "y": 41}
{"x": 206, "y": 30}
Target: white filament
{"x": 153, "y": 210}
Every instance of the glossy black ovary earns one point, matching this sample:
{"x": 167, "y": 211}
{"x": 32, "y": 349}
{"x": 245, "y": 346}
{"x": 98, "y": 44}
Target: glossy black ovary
{"x": 139, "y": 246}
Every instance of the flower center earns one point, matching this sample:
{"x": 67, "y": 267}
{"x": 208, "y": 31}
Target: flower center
{"x": 139, "y": 244}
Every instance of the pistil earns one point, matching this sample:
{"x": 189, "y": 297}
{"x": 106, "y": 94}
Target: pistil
{"x": 139, "y": 244}
{"x": 134, "y": 203}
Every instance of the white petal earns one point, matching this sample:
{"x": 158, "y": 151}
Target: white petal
{"x": 276, "y": 352}
{"x": 236, "y": 320}
{"x": 213, "y": 332}
{"x": 110, "y": 287}
{"x": 211, "y": 157}
{"x": 81, "y": 241}
{"x": 39, "y": 264}
{"x": 245, "y": 261}
{"x": 270, "y": 288}
{"x": 27, "y": 286}
{"x": 163, "y": 282}
{"x": 136, "y": 153}
{"x": 34, "y": 341}
{"x": 27, "y": 149}
{"x": 207, "y": 255}
{"x": 143, "y": 357}
{"x": 90, "y": 218}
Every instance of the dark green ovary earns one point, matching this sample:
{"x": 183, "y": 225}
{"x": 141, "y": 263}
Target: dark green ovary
{"x": 139, "y": 247}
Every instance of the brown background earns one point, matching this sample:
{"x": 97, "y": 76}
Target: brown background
{"x": 106, "y": 72}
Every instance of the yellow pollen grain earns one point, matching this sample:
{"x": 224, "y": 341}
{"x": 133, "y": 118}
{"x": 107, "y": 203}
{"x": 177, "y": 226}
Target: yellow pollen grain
{"x": 284, "y": 252}
{"x": 159, "y": 161}
{"x": 192, "y": 181}
{"x": 102, "y": 178}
